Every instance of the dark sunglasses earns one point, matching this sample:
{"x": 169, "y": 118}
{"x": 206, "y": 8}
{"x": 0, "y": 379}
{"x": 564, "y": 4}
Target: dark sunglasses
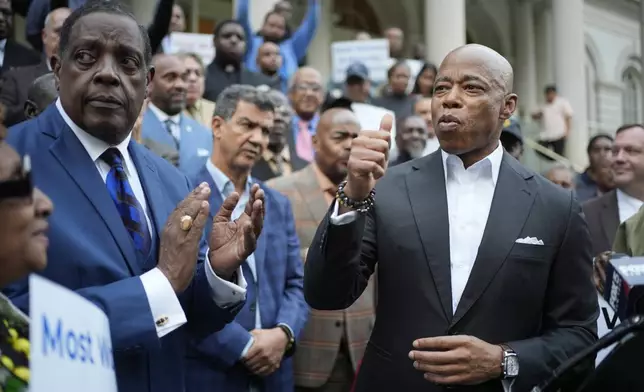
{"x": 18, "y": 188}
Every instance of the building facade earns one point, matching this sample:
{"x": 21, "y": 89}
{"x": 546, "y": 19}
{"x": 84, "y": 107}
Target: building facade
{"x": 590, "y": 49}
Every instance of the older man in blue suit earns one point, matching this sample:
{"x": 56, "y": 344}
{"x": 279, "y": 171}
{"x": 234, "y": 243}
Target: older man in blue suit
{"x": 253, "y": 352}
{"x": 164, "y": 122}
{"x": 124, "y": 234}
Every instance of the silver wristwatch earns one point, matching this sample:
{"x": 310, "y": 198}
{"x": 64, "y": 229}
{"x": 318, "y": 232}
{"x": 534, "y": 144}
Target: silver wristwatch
{"x": 510, "y": 363}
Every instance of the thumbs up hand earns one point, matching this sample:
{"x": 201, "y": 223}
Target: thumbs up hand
{"x": 368, "y": 160}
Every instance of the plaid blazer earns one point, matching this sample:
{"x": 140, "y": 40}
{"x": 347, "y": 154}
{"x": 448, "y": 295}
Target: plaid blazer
{"x": 319, "y": 342}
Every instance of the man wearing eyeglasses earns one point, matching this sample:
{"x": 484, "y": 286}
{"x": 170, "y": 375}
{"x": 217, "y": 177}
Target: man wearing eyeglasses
{"x": 306, "y": 94}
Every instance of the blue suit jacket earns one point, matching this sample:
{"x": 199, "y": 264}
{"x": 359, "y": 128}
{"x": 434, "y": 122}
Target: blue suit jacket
{"x": 91, "y": 252}
{"x": 196, "y": 140}
{"x": 213, "y": 364}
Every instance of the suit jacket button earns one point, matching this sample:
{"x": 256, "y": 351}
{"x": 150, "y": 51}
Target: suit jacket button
{"x": 338, "y": 324}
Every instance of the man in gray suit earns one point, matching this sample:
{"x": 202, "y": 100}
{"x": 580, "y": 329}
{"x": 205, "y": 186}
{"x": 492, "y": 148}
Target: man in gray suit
{"x": 484, "y": 267}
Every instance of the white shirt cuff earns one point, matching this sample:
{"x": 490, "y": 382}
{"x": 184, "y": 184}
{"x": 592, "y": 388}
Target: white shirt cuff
{"x": 225, "y": 293}
{"x": 165, "y": 306}
{"x": 247, "y": 347}
{"x": 343, "y": 219}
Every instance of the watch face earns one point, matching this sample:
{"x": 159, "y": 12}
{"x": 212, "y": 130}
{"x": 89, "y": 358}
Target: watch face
{"x": 512, "y": 366}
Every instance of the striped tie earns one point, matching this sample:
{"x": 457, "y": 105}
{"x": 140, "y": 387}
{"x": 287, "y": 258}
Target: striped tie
{"x": 126, "y": 203}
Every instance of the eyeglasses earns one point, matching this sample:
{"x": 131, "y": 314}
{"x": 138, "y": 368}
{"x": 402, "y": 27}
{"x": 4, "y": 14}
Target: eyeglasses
{"x": 18, "y": 188}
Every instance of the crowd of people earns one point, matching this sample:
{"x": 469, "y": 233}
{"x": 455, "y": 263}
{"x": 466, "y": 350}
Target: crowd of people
{"x": 225, "y": 216}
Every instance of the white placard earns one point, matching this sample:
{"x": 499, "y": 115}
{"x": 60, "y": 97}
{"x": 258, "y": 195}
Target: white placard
{"x": 373, "y": 53}
{"x": 200, "y": 44}
{"x": 605, "y": 323}
{"x": 71, "y": 348}
{"x": 370, "y": 117}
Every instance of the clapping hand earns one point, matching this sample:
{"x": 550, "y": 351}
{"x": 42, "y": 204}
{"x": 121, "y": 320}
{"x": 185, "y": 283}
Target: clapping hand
{"x": 179, "y": 244}
{"x": 231, "y": 242}
{"x": 457, "y": 360}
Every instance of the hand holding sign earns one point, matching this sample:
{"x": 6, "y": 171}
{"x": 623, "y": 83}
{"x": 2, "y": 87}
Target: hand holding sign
{"x": 368, "y": 160}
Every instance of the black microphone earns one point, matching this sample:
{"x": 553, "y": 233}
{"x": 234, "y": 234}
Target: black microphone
{"x": 624, "y": 286}
{"x": 624, "y": 331}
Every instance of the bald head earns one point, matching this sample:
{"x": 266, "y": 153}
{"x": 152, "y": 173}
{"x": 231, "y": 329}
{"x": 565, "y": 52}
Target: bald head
{"x": 332, "y": 118}
{"x": 51, "y": 32}
{"x": 491, "y": 62}
{"x": 305, "y": 73}
{"x": 332, "y": 141}
{"x": 42, "y": 92}
{"x": 306, "y": 92}
{"x": 472, "y": 99}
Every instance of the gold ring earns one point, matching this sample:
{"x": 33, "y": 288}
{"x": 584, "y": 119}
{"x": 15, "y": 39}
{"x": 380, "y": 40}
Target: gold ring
{"x": 186, "y": 222}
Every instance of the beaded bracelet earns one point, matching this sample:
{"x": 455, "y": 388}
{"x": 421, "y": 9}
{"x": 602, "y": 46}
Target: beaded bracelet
{"x": 361, "y": 206}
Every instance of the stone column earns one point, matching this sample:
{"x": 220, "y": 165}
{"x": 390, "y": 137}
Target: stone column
{"x": 569, "y": 57}
{"x": 319, "y": 52}
{"x": 258, "y": 10}
{"x": 544, "y": 50}
{"x": 444, "y": 27}
{"x": 526, "y": 69}
{"x": 642, "y": 50}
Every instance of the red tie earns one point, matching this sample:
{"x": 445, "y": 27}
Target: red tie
{"x": 304, "y": 144}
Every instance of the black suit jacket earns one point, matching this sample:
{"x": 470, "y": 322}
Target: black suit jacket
{"x": 602, "y": 215}
{"x": 217, "y": 80}
{"x": 13, "y": 94}
{"x": 537, "y": 299}
{"x": 16, "y": 55}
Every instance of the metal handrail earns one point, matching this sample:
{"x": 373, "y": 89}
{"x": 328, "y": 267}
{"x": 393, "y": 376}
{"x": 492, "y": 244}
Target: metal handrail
{"x": 552, "y": 155}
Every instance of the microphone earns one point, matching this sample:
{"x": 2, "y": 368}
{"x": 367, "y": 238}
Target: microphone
{"x": 622, "y": 332}
{"x": 624, "y": 286}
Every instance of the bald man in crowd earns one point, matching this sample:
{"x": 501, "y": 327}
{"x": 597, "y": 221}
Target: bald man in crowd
{"x": 164, "y": 122}
{"x": 269, "y": 63}
{"x": 17, "y": 81}
{"x": 306, "y": 93}
{"x": 485, "y": 267}
{"x": 41, "y": 94}
{"x": 333, "y": 343}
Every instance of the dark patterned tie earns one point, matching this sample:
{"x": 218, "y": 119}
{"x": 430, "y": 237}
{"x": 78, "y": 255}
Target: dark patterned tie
{"x": 126, "y": 203}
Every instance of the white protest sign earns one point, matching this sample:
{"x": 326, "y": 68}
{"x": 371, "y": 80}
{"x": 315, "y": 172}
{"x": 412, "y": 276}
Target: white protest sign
{"x": 200, "y": 44}
{"x": 373, "y": 53}
{"x": 605, "y": 323}
{"x": 71, "y": 348}
{"x": 370, "y": 117}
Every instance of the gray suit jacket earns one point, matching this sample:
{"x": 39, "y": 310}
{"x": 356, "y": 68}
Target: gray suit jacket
{"x": 537, "y": 299}
{"x": 602, "y": 215}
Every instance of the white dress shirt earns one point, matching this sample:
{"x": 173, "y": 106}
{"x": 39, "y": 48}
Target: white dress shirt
{"x": 627, "y": 205}
{"x": 164, "y": 304}
{"x": 3, "y": 45}
{"x": 163, "y": 117}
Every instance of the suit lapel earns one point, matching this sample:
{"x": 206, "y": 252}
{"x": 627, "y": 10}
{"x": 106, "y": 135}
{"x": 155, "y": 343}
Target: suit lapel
{"x": 312, "y": 194}
{"x": 71, "y": 155}
{"x": 513, "y": 192}
{"x": 426, "y": 190}
{"x": 151, "y": 184}
{"x": 610, "y": 216}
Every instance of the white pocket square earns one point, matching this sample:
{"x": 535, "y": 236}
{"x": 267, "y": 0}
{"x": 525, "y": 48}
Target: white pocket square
{"x": 202, "y": 152}
{"x": 529, "y": 241}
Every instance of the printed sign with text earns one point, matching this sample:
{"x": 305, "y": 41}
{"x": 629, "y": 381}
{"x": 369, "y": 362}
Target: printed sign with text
{"x": 71, "y": 348}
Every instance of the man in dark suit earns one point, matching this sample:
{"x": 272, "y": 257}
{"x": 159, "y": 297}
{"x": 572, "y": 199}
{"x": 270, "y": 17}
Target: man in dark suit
{"x": 605, "y": 213}
{"x": 12, "y": 54}
{"x": 17, "y": 82}
{"x": 253, "y": 352}
{"x": 484, "y": 267}
{"x": 227, "y": 67}
{"x": 125, "y": 235}
{"x": 280, "y": 157}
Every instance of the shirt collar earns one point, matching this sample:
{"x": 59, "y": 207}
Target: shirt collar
{"x": 94, "y": 146}
{"x": 3, "y": 44}
{"x": 313, "y": 124}
{"x": 623, "y": 197}
{"x": 163, "y": 116}
{"x": 488, "y": 166}
{"x": 222, "y": 182}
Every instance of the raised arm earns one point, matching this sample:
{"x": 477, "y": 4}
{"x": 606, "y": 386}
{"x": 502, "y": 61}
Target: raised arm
{"x": 304, "y": 35}
{"x": 160, "y": 25}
